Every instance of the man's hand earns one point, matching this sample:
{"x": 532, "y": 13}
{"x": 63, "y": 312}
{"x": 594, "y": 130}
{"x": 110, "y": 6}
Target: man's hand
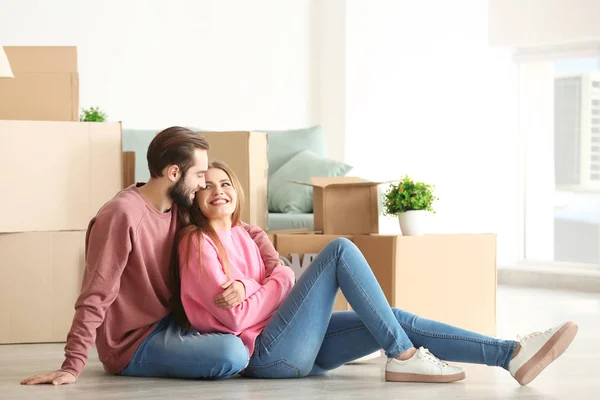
{"x": 56, "y": 378}
{"x": 234, "y": 294}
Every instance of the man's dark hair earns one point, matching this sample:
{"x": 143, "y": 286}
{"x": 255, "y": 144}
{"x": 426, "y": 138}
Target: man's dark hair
{"x": 174, "y": 146}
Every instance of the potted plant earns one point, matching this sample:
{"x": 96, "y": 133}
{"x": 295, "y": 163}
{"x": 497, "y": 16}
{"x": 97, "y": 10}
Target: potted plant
{"x": 92, "y": 114}
{"x": 411, "y": 202}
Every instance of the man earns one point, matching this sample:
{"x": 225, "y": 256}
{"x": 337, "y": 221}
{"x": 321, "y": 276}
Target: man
{"x": 124, "y": 304}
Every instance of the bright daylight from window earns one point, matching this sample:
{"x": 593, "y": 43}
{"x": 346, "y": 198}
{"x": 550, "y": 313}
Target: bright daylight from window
{"x": 563, "y": 161}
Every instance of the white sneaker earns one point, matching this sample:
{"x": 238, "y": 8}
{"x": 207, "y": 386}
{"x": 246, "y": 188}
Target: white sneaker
{"x": 422, "y": 367}
{"x": 539, "y": 349}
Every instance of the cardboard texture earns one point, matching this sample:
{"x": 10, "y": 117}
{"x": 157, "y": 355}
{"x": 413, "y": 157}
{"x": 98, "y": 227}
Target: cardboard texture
{"x": 41, "y": 279}
{"x": 449, "y": 278}
{"x": 45, "y": 86}
{"x": 246, "y": 154}
{"x": 273, "y": 234}
{"x": 76, "y": 168}
{"x": 345, "y": 205}
{"x": 298, "y": 251}
{"x": 128, "y": 168}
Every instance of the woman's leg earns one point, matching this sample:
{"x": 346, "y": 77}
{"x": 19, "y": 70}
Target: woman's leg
{"x": 290, "y": 343}
{"x": 348, "y": 338}
{"x": 171, "y": 352}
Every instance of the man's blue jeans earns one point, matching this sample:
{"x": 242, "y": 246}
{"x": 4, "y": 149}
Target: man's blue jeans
{"x": 172, "y": 352}
{"x": 304, "y": 337}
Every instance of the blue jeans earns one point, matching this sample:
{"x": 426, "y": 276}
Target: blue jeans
{"x": 304, "y": 337}
{"x": 172, "y": 352}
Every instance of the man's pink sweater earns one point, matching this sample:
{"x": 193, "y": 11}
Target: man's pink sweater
{"x": 200, "y": 286}
{"x": 125, "y": 289}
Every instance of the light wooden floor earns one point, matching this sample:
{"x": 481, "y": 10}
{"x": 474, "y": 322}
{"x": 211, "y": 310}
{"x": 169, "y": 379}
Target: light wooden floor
{"x": 575, "y": 376}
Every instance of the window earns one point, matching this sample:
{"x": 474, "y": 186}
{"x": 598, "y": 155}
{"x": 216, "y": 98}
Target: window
{"x": 560, "y": 121}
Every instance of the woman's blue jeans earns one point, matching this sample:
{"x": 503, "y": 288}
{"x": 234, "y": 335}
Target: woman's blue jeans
{"x": 305, "y": 338}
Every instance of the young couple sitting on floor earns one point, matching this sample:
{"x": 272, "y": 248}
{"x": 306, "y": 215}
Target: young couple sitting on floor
{"x": 176, "y": 285}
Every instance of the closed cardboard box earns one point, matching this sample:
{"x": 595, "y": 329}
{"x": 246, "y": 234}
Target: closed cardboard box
{"x": 45, "y": 86}
{"x": 246, "y": 154}
{"x": 56, "y": 175}
{"x": 41, "y": 279}
{"x": 298, "y": 251}
{"x": 449, "y": 278}
{"x": 345, "y": 205}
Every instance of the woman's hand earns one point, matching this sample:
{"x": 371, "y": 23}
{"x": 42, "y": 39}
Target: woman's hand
{"x": 232, "y": 296}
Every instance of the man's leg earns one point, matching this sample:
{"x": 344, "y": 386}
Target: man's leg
{"x": 171, "y": 352}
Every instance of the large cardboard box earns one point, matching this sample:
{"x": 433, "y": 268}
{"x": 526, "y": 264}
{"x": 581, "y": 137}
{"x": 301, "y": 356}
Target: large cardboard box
{"x": 41, "y": 279}
{"x": 345, "y": 205}
{"x": 298, "y": 251}
{"x": 449, "y": 278}
{"x": 246, "y": 154}
{"x": 56, "y": 175}
{"x": 45, "y": 86}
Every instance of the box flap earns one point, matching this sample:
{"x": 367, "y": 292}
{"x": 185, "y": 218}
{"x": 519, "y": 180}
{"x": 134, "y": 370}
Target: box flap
{"x": 356, "y": 184}
{"x": 332, "y": 180}
{"x": 346, "y": 181}
{"x": 325, "y": 181}
{"x": 48, "y": 59}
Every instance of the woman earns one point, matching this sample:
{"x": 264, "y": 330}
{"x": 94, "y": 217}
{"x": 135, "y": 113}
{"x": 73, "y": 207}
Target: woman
{"x": 290, "y": 331}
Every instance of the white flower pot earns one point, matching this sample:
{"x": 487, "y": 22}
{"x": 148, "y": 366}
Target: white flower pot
{"x": 413, "y": 223}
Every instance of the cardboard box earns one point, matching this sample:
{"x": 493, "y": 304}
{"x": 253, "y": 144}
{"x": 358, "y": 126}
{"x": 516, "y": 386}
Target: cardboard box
{"x": 298, "y": 252}
{"x": 448, "y": 278}
{"x": 246, "y": 155}
{"x": 45, "y": 86}
{"x": 57, "y": 175}
{"x": 345, "y": 205}
{"x": 273, "y": 234}
{"x": 41, "y": 279}
{"x": 128, "y": 163}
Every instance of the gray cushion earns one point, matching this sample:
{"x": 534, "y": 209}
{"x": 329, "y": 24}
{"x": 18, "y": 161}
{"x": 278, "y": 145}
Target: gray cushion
{"x": 283, "y": 145}
{"x": 288, "y": 197}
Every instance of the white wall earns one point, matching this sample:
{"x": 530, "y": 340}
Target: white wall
{"x": 536, "y": 112}
{"x": 521, "y": 23}
{"x": 213, "y": 64}
{"x": 328, "y": 35}
{"x": 426, "y": 96}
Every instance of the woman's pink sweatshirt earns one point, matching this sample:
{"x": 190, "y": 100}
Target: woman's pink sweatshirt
{"x": 200, "y": 286}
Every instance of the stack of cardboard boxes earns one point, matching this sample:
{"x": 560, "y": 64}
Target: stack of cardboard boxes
{"x": 450, "y": 278}
{"x": 56, "y": 174}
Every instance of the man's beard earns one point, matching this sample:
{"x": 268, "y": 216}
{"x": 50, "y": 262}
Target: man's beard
{"x": 180, "y": 194}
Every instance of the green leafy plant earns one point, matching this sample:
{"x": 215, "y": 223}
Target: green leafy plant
{"x": 92, "y": 114}
{"x": 408, "y": 195}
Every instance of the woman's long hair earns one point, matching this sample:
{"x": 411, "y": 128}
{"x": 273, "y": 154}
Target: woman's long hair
{"x": 192, "y": 223}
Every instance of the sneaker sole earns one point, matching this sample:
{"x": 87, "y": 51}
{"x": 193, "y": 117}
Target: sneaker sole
{"x": 553, "y": 349}
{"x": 406, "y": 377}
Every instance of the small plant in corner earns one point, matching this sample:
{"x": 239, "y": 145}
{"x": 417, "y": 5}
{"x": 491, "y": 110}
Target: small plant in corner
{"x": 92, "y": 114}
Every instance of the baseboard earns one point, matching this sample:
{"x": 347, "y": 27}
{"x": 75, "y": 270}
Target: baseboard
{"x": 550, "y": 278}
